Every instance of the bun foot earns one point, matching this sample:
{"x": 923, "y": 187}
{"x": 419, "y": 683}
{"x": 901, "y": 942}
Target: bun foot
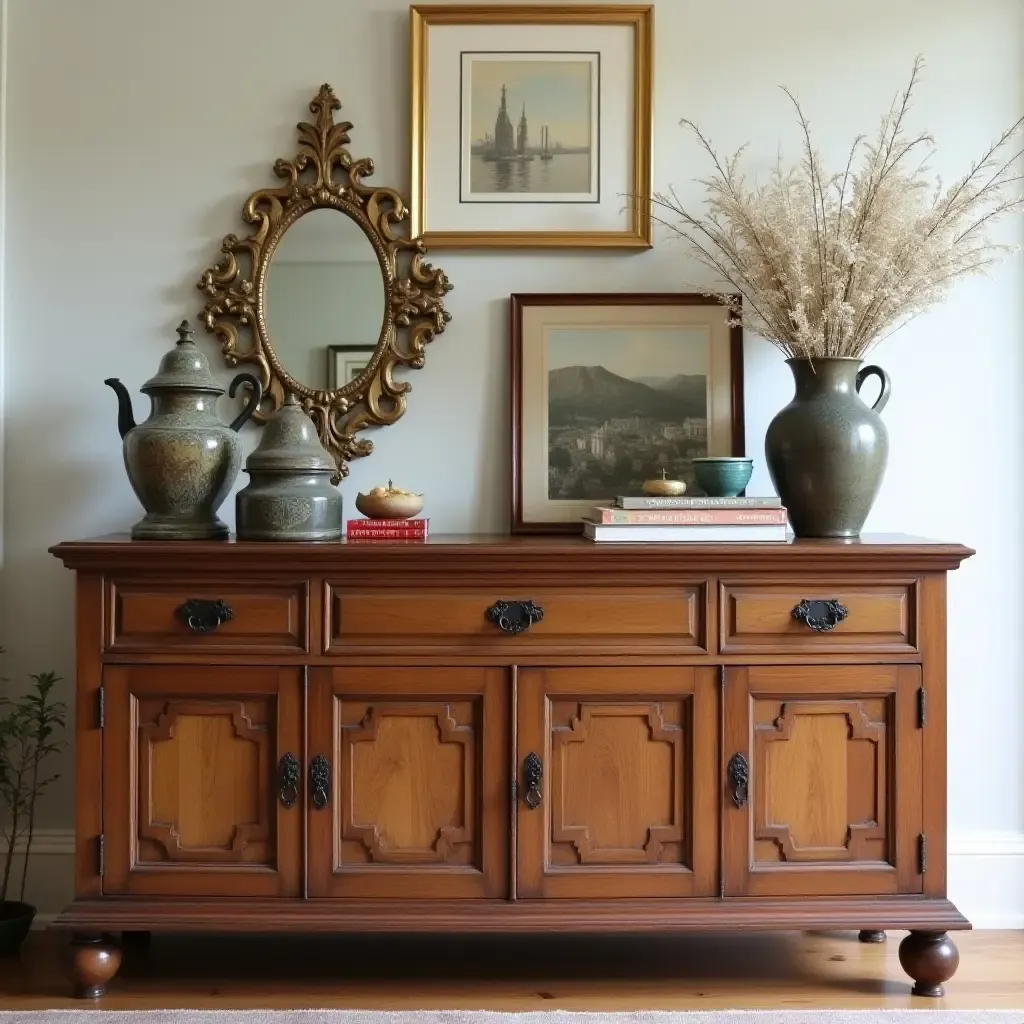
{"x": 930, "y": 958}
{"x": 92, "y": 961}
{"x": 866, "y": 936}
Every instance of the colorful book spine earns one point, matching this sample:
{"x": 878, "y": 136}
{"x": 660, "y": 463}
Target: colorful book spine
{"x": 689, "y": 517}
{"x": 696, "y": 503}
{"x": 388, "y": 529}
{"x": 362, "y": 538}
{"x": 688, "y": 534}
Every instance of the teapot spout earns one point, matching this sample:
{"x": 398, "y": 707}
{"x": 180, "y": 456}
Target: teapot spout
{"x": 125, "y": 416}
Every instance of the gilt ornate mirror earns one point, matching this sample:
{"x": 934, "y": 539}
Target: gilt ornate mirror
{"x": 327, "y": 296}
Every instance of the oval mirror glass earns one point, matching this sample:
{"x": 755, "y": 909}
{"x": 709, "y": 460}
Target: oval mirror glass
{"x": 325, "y": 300}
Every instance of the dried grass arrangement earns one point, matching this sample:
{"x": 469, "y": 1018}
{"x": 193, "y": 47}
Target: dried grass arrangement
{"x": 830, "y": 264}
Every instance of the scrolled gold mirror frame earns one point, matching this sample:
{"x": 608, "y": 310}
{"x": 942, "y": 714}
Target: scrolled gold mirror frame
{"x": 323, "y": 175}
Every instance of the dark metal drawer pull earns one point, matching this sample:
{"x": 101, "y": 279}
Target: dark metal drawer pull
{"x": 533, "y": 775}
{"x": 320, "y": 780}
{"x": 204, "y": 616}
{"x": 515, "y": 616}
{"x": 821, "y": 616}
{"x": 738, "y": 771}
{"x": 288, "y": 777}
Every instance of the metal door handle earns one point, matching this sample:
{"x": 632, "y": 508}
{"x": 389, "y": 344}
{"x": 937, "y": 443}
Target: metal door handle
{"x": 738, "y": 771}
{"x": 515, "y": 616}
{"x": 288, "y": 778}
{"x": 204, "y": 616}
{"x": 320, "y": 780}
{"x": 533, "y": 776}
{"x": 821, "y": 616}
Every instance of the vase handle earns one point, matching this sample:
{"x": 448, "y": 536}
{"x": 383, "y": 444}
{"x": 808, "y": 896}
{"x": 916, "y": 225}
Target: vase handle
{"x": 876, "y": 371}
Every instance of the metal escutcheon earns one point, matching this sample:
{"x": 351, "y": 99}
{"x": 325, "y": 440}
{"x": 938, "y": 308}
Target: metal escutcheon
{"x": 320, "y": 781}
{"x": 533, "y": 775}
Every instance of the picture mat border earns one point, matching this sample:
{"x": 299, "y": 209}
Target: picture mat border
{"x": 332, "y": 362}
{"x": 640, "y": 17}
{"x": 466, "y": 109}
{"x": 518, "y": 303}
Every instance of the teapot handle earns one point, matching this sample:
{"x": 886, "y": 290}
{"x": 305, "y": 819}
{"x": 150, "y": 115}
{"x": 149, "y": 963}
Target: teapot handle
{"x": 876, "y": 371}
{"x": 254, "y": 402}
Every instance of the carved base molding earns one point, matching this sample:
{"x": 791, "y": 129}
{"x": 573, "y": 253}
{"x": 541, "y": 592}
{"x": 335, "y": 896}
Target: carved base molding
{"x": 500, "y": 916}
{"x": 986, "y": 875}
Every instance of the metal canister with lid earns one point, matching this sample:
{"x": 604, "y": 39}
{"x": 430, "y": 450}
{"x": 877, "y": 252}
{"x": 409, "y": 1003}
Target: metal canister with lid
{"x": 289, "y": 496}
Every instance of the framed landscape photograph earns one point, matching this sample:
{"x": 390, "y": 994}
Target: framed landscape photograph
{"x": 609, "y": 390}
{"x": 531, "y": 125}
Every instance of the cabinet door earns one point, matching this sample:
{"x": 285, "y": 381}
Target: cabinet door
{"x": 626, "y": 802}
{"x": 413, "y": 793}
{"x": 192, "y": 800}
{"x": 823, "y": 780}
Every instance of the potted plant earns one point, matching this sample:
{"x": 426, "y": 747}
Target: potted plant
{"x": 824, "y": 266}
{"x": 28, "y": 726}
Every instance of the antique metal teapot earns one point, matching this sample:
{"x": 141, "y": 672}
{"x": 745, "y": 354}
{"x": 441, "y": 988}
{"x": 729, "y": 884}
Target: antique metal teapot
{"x": 182, "y": 461}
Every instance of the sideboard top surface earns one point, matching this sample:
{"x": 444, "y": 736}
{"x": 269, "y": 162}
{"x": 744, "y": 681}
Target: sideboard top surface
{"x": 484, "y": 552}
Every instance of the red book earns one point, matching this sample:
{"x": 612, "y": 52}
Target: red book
{"x": 364, "y": 538}
{"x": 392, "y": 529}
{"x": 609, "y": 516}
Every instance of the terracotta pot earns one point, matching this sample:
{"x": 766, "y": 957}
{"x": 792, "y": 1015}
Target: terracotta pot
{"x": 827, "y": 449}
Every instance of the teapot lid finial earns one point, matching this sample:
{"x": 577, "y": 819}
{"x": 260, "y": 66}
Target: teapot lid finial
{"x": 185, "y": 333}
{"x": 184, "y": 368}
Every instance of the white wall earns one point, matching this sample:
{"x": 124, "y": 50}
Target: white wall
{"x": 135, "y": 129}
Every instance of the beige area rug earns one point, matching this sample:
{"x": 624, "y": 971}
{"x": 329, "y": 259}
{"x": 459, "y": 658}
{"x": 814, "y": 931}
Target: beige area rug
{"x": 491, "y": 1017}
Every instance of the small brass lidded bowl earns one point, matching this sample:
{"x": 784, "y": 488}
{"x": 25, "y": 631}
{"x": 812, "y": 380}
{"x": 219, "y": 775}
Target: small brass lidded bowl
{"x": 389, "y": 503}
{"x": 662, "y": 488}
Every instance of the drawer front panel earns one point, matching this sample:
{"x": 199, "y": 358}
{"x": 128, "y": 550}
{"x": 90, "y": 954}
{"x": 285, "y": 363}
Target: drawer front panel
{"x": 651, "y": 617}
{"x": 820, "y": 615}
{"x": 224, "y": 615}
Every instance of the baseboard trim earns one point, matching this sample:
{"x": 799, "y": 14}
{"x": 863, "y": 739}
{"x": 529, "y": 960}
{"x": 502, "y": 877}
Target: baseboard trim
{"x": 986, "y": 877}
{"x": 58, "y": 842}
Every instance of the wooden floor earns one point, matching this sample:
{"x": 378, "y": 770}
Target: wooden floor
{"x": 798, "y": 971}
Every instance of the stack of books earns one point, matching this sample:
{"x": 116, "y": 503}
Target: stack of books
{"x": 687, "y": 519}
{"x": 387, "y": 529}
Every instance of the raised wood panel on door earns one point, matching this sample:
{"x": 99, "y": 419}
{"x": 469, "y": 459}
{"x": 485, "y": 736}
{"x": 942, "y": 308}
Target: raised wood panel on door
{"x": 629, "y": 793}
{"x": 418, "y": 806}
{"x": 266, "y": 616}
{"x": 834, "y": 801}
{"x": 756, "y": 616}
{"x": 190, "y": 781}
{"x": 645, "y": 619}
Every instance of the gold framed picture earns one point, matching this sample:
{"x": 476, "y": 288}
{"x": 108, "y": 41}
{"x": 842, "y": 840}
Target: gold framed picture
{"x": 531, "y": 125}
{"x": 608, "y": 390}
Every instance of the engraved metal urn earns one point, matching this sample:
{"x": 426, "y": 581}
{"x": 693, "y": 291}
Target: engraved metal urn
{"x": 290, "y": 496}
{"x": 182, "y": 461}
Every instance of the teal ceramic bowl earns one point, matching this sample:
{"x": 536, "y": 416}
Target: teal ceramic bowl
{"x": 721, "y": 476}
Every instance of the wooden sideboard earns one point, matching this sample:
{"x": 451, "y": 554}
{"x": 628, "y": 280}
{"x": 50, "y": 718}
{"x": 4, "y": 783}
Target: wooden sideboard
{"x": 511, "y": 734}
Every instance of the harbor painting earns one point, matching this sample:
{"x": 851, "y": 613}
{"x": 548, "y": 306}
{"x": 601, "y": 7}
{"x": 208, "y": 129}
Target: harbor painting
{"x": 530, "y": 127}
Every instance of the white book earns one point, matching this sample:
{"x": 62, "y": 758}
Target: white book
{"x": 698, "y": 534}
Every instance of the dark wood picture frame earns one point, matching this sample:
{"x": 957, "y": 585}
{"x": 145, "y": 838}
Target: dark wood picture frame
{"x": 518, "y": 302}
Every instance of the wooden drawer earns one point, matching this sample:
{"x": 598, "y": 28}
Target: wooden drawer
{"x": 267, "y": 616}
{"x": 761, "y": 616}
{"x": 574, "y": 619}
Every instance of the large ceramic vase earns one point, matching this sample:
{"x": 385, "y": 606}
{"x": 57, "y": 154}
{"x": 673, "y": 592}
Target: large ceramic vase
{"x": 827, "y": 449}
